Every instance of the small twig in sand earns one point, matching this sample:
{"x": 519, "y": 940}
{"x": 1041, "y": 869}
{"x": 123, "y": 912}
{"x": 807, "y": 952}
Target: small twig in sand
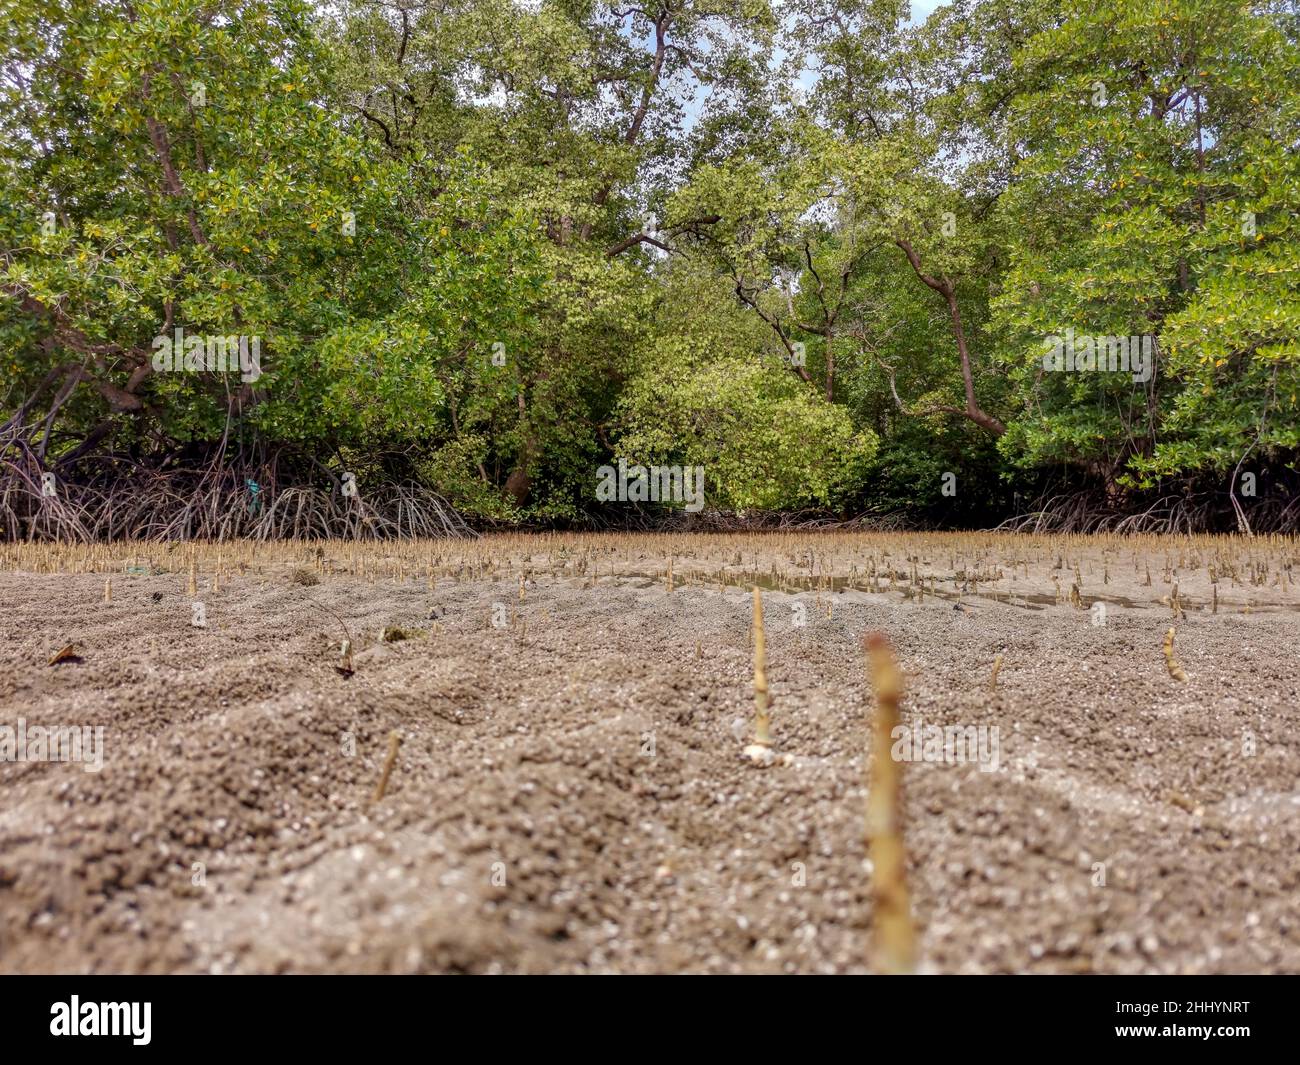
{"x": 894, "y": 950}
{"x": 394, "y": 741}
{"x": 345, "y": 668}
{"x": 65, "y": 654}
{"x": 1175, "y": 670}
{"x": 760, "y": 751}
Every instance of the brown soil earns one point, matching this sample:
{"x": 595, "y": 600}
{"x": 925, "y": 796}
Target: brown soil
{"x": 570, "y": 796}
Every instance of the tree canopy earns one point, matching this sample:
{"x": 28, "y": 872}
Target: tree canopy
{"x": 820, "y": 249}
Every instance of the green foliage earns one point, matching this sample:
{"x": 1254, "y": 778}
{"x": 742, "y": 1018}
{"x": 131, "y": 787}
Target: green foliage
{"x": 814, "y": 249}
{"x": 195, "y": 182}
{"x": 705, "y": 392}
{"x": 1157, "y": 196}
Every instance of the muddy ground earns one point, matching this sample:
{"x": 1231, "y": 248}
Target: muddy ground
{"x": 569, "y": 794}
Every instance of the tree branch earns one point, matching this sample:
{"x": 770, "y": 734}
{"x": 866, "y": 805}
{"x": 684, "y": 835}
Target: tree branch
{"x": 947, "y": 290}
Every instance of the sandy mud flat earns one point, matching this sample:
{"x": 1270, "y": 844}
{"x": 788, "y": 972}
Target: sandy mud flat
{"x": 569, "y": 793}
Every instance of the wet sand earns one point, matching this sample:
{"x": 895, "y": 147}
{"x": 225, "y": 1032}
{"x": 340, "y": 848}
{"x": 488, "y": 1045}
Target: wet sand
{"x": 569, "y": 794}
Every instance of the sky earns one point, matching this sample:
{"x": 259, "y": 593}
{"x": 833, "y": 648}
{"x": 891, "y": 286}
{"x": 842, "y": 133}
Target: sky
{"x": 921, "y": 10}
